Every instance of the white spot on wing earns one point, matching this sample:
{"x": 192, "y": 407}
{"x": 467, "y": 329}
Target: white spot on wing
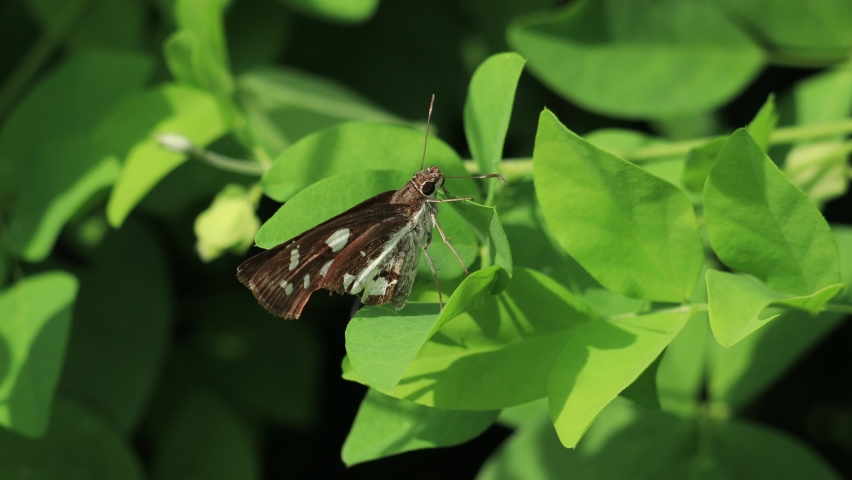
{"x": 307, "y": 281}
{"x": 325, "y": 267}
{"x": 377, "y": 286}
{"x": 347, "y": 280}
{"x": 338, "y": 240}
{"x": 287, "y": 286}
{"x": 363, "y": 254}
{"x": 294, "y": 258}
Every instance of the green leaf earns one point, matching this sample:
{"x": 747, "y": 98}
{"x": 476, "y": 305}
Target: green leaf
{"x": 196, "y": 54}
{"x": 601, "y": 360}
{"x": 819, "y": 167}
{"x": 738, "y": 374}
{"x": 48, "y": 158}
{"x": 272, "y": 368}
{"x": 760, "y": 128}
{"x": 283, "y": 105}
{"x": 381, "y": 342}
{"x": 643, "y": 390}
{"x": 736, "y": 303}
{"x": 498, "y": 354}
{"x": 167, "y": 109}
{"x": 797, "y": 32}
{"x": 488, "y": 108}
{"x": 762, "y": 225}
{"x": 635, "y": 233}
{"x": 386, "y": 426}
{"x": 624, "y": 59}
{"x": 206, "y": 440}
{"x": 78, "y": 444}
{"x": 35, "y": 320}
{"x": 680, "y": 376}
{"x": 229, "y": 224}
{"x": 699, "y": 162}
{"x": 626, "y": 441}
{"x": 487, "y": 225}
{"x": 119, "y": 332}
{"x": 757, "y": 452}
{"x": 343, "y": 11}
{"x": 117, "y": 24}
{"x": 526, "y": 413}
{"x": 360, "y": 146}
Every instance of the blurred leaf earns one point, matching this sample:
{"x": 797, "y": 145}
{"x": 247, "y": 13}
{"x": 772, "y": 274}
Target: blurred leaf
{"x": 797, "y": 32}
{"x": 78, "y": 444}
{"x": 360, "y": 146}
{"x": 699, "y": 162}
{"x": 643, "y": 390}
{"x": 748, "y": 450}
{"x": 257, "y": 32}
{"x": 819, "y": 168}
{"x": 626, "y": 441}
{"x": 639, "y": 60}
{"x": 762, "y": 225}
{"x": 116, "y": 24}
{"x": 381, "y": 342}
{"x": 197, "y": 53}
{"x": 271, "y": 367}
{"x": 206, "y": 440}
{"x": 229, "y": 224}
{"x": 635, "y": 233}
{"x": 334, "y": 195}
{"x": 738, "y": 374}
{"x": 122, "y": 326}
{"x": 170, "y": 108}
{"x": 49, "y": 162}
{"x": 35, "y": 319}
{"x": 499, "y": 354}
{"x": 343, "y": 11}
{"x": 761, "y": 127}
{"x": 283, "y": 105}
{"x": 488, "y": 108}
{"x": 737, "y": 302}
{"x": 680, "y": 376}
{"x": 388, "y": 426}
{"x": 600, "y": 361}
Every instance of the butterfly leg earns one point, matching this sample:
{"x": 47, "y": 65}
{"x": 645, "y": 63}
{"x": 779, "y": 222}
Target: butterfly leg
{"x": 447, "y": 241}
{"x": 447, "y": 200}
{"x": 435, "y": 276}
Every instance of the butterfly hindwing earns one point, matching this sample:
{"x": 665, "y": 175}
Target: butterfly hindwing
{"x": 283, "y": 278}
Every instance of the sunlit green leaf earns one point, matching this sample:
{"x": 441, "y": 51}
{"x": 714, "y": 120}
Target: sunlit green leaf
{"x": 737, "y": 304}
{"x": 386, "y": 426}
{"x": 229, "y": 224}
{"x": 360, "y": 146}
{"x": 635, "y": 233}
{"x": 488, "y": 108}
{"x": 343, "y": 11}
{"x": 601, "y": 360}
{"x": 35, "y": 320}
{"x": 762, "y": 225}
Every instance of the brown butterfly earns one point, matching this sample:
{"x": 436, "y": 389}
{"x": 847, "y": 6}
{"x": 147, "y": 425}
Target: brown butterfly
{"x": 371, "y": 250}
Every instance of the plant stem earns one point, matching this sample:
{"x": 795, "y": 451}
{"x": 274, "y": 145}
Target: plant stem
{"x": 519, "y": 168}
{"x": 837, "y": 308}
{"x": 234, "y": 165}
{"x": 40, "y": 53}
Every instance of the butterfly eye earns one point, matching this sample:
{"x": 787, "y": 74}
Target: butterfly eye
{"x": 428, "y": 188}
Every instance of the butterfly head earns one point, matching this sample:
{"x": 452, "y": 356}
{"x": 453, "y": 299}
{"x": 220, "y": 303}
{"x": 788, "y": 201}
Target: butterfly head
{"x": 428, "y": 181}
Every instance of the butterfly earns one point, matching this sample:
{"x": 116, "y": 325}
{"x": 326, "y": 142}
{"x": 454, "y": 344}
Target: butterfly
{"x": 371, "y": 250}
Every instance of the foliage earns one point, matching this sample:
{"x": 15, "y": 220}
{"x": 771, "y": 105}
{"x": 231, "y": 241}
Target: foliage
{"x": 632, "y": 291}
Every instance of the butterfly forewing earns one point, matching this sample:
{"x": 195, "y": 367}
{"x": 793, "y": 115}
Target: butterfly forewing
{"x": 329, "y": 256}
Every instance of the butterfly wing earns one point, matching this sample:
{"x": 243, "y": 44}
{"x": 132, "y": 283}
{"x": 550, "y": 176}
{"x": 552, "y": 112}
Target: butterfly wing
{"x": 324, "y": 257}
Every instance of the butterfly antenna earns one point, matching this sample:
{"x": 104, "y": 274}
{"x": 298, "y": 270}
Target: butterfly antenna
{"x": 428, "y": 121}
